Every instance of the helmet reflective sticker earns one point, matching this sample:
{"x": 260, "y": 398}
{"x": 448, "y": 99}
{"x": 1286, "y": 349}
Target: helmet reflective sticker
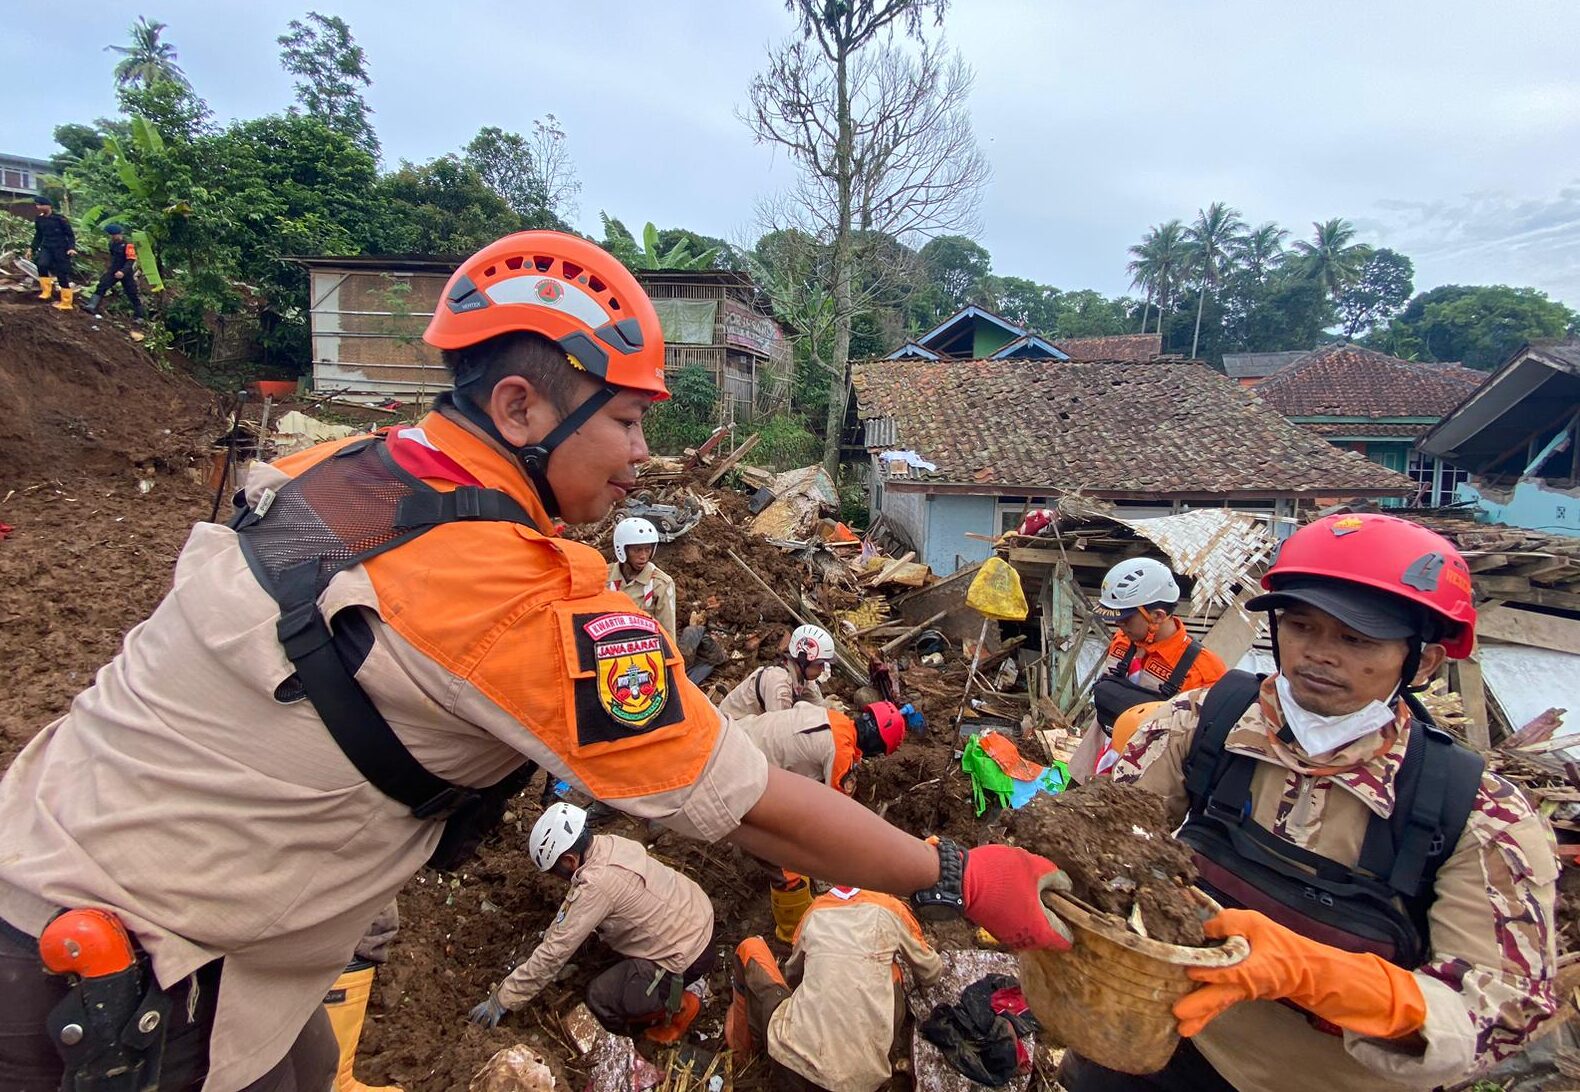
{"x": 537, "y": 291}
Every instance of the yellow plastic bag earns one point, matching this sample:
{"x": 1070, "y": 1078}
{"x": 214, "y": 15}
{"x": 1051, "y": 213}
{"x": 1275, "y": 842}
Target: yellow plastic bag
{"x": 995, "y": 592}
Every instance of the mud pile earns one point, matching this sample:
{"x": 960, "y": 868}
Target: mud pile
{"x": 1114, "y": 841}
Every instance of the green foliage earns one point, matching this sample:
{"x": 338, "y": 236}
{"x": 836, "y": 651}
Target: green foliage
{"x": 441, "y": 207}
{"x": 687, "y": 419}
{"x": 954, "y": 269}
{"x": 1332, "y": 258}
{"x": 149, "y": 59}
{"x": 854, "y": 500}
{"x": 505, "y": 163}
{"x": 784, "y": 442}
{"x": 331, "y": 71}
{"x": 1378, "y": 292}
{"x": 1478, "y": 325}
{"x": 654, "y": 252}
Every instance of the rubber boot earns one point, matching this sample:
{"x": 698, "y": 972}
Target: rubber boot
{"x": 671, "y": 1028}
{"x": 67, "y": 295}
{"x": 753, "y": 951}
{"x": 347, "y": 1002}
{"x": 92, "y": 306}
{"x": 46, "y": 288}
{"x": 790, "y": 904}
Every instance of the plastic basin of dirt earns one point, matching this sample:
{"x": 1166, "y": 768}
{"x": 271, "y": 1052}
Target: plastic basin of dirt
{"x": 273, "y": 388}
{"x": 1109, "y": 998}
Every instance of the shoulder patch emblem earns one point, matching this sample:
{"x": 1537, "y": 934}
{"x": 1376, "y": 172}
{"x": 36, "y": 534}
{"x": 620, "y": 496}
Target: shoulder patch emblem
{"x": 628, "y": 685}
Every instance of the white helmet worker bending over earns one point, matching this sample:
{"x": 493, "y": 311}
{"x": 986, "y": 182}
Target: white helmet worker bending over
{"x": 773, "y": 687}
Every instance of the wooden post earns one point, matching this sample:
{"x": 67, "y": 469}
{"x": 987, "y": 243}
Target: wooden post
{"x": 1061, "y": 631}
{"x": 840, "y": 658}
{"x": 890, "y": 646}
{"x": 1468, "y": 684}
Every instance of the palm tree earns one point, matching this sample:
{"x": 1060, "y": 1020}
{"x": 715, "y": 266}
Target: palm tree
{"x": 1260, "y": 250}
{"x": 1160, "y": 264}
{"x": 1212, "y": 239}
{"x": 147, "y": 60}
{"x": 1331, "y": 257}
{"x": 1143, "y": 270}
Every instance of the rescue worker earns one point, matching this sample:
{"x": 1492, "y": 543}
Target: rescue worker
{"x": 120, "y": 269}
{"x": 657, "y": 918}
{"x": 633, "y": 571}
{"x": 824, "y": 745}
{"x": 773, "y": 687}
{"x": 836, "y": 1026}
{"x": 1152, "y": 656}
{"x": 296, "y": 730}
{"x": 1398, "y": 899}
{"x": 54, "y": 245}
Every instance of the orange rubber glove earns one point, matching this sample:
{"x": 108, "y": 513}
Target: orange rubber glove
{"x": 1361, "y": 993}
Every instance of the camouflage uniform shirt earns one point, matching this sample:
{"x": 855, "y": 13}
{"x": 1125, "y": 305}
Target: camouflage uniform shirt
{"x": 1488, "y": 979}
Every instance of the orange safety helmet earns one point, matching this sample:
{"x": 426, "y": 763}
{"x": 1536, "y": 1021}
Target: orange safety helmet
{"x": 1384, "y": 553}
{"x": 567, "y": 289}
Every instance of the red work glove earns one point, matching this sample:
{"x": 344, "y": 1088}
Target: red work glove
{"x": 1359, "y": 992}
{"x": 1003, "y": 894}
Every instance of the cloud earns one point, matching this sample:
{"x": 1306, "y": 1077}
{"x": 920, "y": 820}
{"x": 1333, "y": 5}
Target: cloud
{"x": 1491, "y": 236}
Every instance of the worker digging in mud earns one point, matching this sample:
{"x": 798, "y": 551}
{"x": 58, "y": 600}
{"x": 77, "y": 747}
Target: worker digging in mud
{"x": 54, "y": 245}
{"x": 1398, "y": 898}
{"x": 1151, "y": 656}
{"x": 831, "y": 1017}
{"x": 120, "y": 269}
{"x": 657, "y": 918}
{"x": 633, "y": 572}
{"x": 299, "y": 727}
{"x": 773, "y": 687}
{"x": 824, "y": 745}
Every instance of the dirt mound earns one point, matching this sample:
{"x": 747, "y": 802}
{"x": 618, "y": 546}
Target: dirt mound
{"x": 78, "y": 396}
{"x": 1114, "y": 842}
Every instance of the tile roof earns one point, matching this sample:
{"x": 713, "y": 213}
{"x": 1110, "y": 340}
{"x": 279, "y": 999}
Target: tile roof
{"x": 1133, "y": 347}
{"x": 1168, "y": 428}
{"x": 1259, "y": 365}
{"x": 1349, "y": 381}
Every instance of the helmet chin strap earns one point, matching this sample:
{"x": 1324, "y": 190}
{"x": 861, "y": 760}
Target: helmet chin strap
{"x": 532, "y": 458}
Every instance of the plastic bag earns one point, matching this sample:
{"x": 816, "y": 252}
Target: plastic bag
{"x": 995, "y": 592}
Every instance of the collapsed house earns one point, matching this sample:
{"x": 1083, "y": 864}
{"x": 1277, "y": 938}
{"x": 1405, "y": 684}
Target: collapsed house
{"x": 959, "y": 449}
{"x": 1518, "y": 437}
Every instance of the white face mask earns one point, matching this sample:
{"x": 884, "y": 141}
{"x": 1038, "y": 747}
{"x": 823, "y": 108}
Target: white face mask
{"x": 1318, "y": 734}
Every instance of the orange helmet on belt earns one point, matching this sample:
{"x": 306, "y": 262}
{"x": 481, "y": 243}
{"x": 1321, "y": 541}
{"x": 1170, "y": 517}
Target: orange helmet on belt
{"x": 565, "y": 288}
{"x": 1331, "y": 564}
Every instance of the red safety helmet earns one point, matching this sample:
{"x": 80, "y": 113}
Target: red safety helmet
{"x": 885, "y": 718}
{"x": 565, "y": 288}
{"x": 1386, "y": 553}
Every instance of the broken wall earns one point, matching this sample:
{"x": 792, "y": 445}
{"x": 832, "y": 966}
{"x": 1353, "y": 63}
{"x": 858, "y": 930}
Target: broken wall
{"x": 1532, "y": 503}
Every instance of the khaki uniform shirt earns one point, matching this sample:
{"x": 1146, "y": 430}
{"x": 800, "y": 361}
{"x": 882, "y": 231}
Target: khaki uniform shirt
{"x": 1488, "y": 979}
{"x": 837, "y": 1027}
{"x": 652, "y": 589}
{"x": 769, "y": 689}
{"x": 191, "y": 791}
{"x": 803, "y": 740}
{"x": 641, "y": 908}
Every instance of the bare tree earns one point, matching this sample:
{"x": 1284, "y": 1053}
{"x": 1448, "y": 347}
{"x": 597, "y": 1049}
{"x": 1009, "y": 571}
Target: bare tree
{"x": 553, "y": 162}
{"x": 882, "y": 138}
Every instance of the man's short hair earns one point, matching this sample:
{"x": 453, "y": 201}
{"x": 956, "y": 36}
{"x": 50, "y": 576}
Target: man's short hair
{"x": 477, "y": 369}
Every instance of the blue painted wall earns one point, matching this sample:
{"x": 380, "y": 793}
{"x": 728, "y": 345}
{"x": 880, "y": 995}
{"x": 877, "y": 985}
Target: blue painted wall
{"x": 1532, "y": 506}
{"x": 949, "y": 517}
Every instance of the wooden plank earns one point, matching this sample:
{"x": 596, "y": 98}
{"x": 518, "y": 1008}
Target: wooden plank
{"x": 890, "y": 646}
{"x": 888, "y": 569}
{"x": 734, "y": 457}
{"x": 1233, "y": 634}
{"x": 1466, "y": 681}
{"x": 1091, "y": 559}
{"x": 1480, "y": 563}
{"x": 1552, "y": 597}
{"x": 1526, "y": 627}
{"x": 1503, "y": 586}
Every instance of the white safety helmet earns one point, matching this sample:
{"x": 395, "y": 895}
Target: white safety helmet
{"x": 633, "y": 531}
{"x": 556, "y": 834}
{"x": 809, "y": 643}
{"x": 1139, "y": 582}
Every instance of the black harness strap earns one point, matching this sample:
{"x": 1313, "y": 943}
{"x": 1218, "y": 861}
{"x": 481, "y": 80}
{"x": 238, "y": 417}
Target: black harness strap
{"x": 463, "y": 504}
{"x": 1176, "y": 677}
{"x": 1221, "y": 710}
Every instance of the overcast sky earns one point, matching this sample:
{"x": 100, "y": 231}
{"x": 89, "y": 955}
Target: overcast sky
{"x": 1447, "y": 129}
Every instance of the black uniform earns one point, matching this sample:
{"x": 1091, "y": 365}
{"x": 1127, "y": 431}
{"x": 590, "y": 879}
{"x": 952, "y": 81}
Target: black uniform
{"x": 52, "y": 238}
{"x": 123, "y": 260}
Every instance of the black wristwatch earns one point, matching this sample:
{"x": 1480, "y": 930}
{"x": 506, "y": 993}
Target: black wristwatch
{"x": 947, "y": 898}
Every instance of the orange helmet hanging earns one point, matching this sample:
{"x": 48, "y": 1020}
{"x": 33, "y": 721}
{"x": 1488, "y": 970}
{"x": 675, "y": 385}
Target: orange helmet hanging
{"x": 565, "y": 288}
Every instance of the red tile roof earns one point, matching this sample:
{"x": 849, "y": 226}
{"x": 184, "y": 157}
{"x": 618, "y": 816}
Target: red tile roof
{"x": 1168, "y": 428}
{"x": 1132, "y": 347}
{"x": 1349, "y": 381}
